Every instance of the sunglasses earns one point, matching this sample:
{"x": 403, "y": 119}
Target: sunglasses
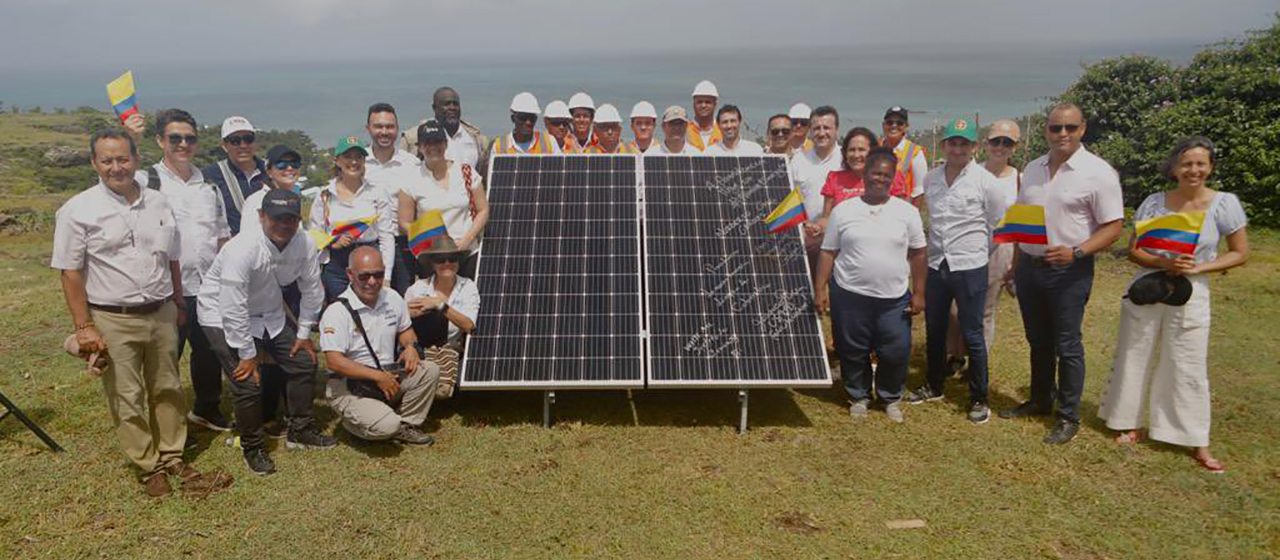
{"x": 371, "y": 275}
{"x": 1058, "y": 128}
{"x": 288, "y": 164}
{"x": 799, "y": 122}
{"x": 240, "y": 139}
{"x": 188, "y": 139}
{"x": 1001, "y": 141}
{"x": 558, "y": 122}
{"x": 895, "y": 123}
{"x": 446, "y": 258}
{"x": 780, "y": 131}
{"x": 526, "y": 117}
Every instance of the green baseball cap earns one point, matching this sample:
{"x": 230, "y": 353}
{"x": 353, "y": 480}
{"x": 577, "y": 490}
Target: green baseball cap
{"x": 961, "y": 127}
{"x": 348, "y": 143}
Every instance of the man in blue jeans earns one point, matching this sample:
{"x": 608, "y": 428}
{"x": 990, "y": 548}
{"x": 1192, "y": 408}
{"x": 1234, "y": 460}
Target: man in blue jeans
{"x": 965, "y": 204}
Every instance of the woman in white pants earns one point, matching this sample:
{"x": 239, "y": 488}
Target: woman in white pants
{"x": 1161, "y": 364}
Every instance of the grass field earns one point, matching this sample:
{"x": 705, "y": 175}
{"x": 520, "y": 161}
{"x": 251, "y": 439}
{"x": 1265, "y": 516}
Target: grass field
{"x": 662, "y": 474}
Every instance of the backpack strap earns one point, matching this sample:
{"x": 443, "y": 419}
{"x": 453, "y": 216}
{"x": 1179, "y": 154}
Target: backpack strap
{"x": 153, "y": 178}
{"x": 233, "y": 184}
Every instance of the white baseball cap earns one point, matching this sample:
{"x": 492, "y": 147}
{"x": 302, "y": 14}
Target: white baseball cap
{"x": 644, "y": 109}
{"x": 581, "y": 100}
{"x": 236, "y": 124}
{"x": 705, "y": 87}
{"x": 525, "y": 102}
{"x": 608, "y": 114}
{"x": 557, "y": 110}
{"x": 800, "y": 111}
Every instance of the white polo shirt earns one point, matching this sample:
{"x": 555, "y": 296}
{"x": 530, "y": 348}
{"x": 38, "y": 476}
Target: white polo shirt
{"x": 465, "y": 298}
{"x": 809, "y": 173}
{"x": 383, "y": 322}
{"x": 124, "y": 249}
{"x": 450, "y": 197}
{"x": 201, "y": 218}
{"x": 390, "y": 176}
{"x": 369, "y": 201}
{"x": 962, "y": 215}
{"x": 742, "y": 148}
{"x": 241, "y": 292}
{"x": 872, "y": 244}
{"x": 1083, "y": 195}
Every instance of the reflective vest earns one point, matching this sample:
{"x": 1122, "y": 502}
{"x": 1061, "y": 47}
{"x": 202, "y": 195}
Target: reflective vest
{"x": 595, "y": 148}
{"x": 542, "y": 143}
{"x": 694, "y": 136}
{"x": 906, "y": 154}
{"x": 633, "y": 148}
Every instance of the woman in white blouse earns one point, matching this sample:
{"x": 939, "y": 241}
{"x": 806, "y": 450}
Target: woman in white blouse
{"x": 443, "y": 306}
{"x": 346, "y": 199}
{"x": 1161, "y": 365}
{"x": 455, "y": 189}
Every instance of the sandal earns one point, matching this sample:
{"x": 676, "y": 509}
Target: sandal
{"x": 1211, "y": 464}
{"x": 1130, "y": 437}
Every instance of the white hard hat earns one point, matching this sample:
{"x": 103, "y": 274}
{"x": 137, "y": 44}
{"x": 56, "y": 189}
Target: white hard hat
{"x": 557, "y": 110}
{"x": 705, "y": 87}
{"x": 800, "y": 111}
{"x": 608, "y": 114}
{"x": 525, "y": 102}
{"x": 644, "y": 109}
{"x": 581, "y": 100}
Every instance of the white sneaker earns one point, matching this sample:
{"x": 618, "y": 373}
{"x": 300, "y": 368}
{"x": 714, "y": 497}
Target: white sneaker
{"x": 894, "y": 411}
{"x": 858, "y": 410}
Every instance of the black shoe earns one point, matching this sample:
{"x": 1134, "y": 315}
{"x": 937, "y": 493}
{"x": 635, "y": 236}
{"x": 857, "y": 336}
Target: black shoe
{"x": 275, "y": 429}
{"x": 410, "y": 435}
{"x": 979, "y": 413}
{"x": 258, "y": 461}
{"x": 923, "y": 394}
{"x": 1063, "y": 431}
{"x": 309, "y": 438}
{"x": 1024, "y": 410}
{"x": 212, "y": 420}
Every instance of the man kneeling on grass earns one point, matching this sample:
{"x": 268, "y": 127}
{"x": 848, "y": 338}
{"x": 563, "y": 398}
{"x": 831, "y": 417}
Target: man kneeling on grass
{"x": 377, "y": 397}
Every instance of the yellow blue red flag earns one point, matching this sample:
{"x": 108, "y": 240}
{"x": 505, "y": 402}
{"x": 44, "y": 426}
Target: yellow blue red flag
{"x": 1022, "y": 223}
{"x": 789, "y": 213}
{"x": 425, "y": 230}
{"x": 1178, "y": 233}
{"x": 123, "y": 97}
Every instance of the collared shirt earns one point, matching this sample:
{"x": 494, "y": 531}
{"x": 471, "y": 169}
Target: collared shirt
{"x": 962, "y": 215}
{"x": 201, "y": 218}
{"x": 872, "y": 244}
{"x": 702, "y": 139}
{"x": 809, "y": 174}
{"x": 369, "y": 201}
{"x": 1083, "y": 195}
{"x": 742, "y": 148}
{"x": 124, "y": 249}
{"x": 660, "y": 149}
{"x": 248, "y": 185}
{"x": 635, "y": 147}
{"x": 451, "y": 198}
{"x": 241, "y": 292}
{"x": 462, "y": 147}
{"x": 383, "y": 322}
{"x": 392, "y": 175}
{"x": 465, "y": 298}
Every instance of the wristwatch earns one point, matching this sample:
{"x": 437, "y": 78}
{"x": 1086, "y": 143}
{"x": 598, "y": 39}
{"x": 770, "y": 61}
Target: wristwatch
{"x": 1077, "y": 253}
{"x": 444, "y": 307}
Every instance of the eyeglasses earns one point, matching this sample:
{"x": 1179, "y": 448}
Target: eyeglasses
{"x": 799, "y": 122}
{"x": 371, "y": 275}
{"x": 446, "y": 258}
{"x": 895, "y": 123}
{"x": 288, "y": 164}
{"x": 557, "y": 122}
{"x": 780, "y": 131}
{"x": 1058, "y": 128}
{"x": 1001, "y": 141}
{"x": 526, "y": 117}
{"x": 240, "y": 139}
{"x": 189, "y": 139}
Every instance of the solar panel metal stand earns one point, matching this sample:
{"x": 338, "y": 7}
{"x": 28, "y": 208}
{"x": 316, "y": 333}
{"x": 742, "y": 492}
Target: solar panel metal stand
{"x": 548, "y": 399}
{"x": 742, "y": 413}
{"x": 10, "y": 408}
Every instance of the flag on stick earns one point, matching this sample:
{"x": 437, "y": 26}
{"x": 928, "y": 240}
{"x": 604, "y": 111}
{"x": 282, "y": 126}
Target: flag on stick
{"x": 789, "y": 213}
{"x": 1022, "y": 223}
{"x": 1178, "y": 233}
{"x": 425, "y": 230}
{"x": 123, "y": 97}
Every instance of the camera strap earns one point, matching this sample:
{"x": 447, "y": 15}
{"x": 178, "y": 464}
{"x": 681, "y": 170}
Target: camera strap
{"x": 360, "y": 327}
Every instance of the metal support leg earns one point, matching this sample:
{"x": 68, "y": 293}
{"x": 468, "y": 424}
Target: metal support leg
{"x": 548, "y": 399}
{"x": 742, "y": 413}
{"x": 13, "y": 409}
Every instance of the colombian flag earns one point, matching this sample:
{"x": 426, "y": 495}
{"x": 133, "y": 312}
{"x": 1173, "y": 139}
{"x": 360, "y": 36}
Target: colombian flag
{"x": 1022, "y": 223}
{"x": 1178, "y": 233}
{"x": 354, "y": 228}
{"x": 123, "y": 97}
{"x": 424, "y": 232}
{"x": 789, "y": 213}
{"x": 321, "y": 239}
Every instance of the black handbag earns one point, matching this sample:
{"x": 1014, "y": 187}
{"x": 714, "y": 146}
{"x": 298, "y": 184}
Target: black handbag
{"x": 363, "y": 387}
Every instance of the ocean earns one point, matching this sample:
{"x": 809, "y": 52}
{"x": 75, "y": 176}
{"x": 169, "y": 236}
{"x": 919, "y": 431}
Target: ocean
{"x": 328, "y": 100}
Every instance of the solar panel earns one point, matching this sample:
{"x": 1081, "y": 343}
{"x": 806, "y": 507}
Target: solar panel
{"x": 728, "y": 304}
{"x": 559, "y": 276}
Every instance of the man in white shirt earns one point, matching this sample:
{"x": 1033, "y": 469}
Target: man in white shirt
{"x": 1083, "y": 214}
{"x": 965, "y": 203}
{"x": 729, "y": 119}
{"x": 202, "y": 226}
{"x": 799, "y": 116}
{"x": 241, "y": 169}
{"x": 377, "y": 396}
{"x": 117, "y": 247}
{"x": 387, "y": 168}
{"x": 675, "y": 126}
{"x": 778, "y": 135}
{"x": 809, "y": 172}
{"x": 466, "y": 143}
{"x": 242, "y": 313}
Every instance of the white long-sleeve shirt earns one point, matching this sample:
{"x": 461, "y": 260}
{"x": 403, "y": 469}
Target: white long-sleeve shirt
{"x": 241, "y": 291}
{"x": 369, "y": 200}
{"x": 962, "y": 215}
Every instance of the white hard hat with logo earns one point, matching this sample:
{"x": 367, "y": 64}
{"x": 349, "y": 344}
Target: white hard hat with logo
{"x": 705, "y": 87}
{"x": 581, "y": 100}
{"x": 557, "y": 110}
{"x": 525, "y": 102}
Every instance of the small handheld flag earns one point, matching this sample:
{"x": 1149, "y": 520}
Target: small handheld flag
{"x": 123, "y": 97}
{"x": 1022, "y": 223}
{"x": 1178, "y": 233}
{"x": 789, "y": 213}
{"x": 425, "y": 230}
{"x": 355, "y": 228}
{"x": 321, "y": 239}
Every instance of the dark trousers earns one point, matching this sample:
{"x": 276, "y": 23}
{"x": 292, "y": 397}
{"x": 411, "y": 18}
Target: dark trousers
{"x": 206, "y": 375}
{"x": 968, "y": 288}
{"x": 862, "y": 325}
{"x": 1052, "y": 299}
{"x": 403, "y": 270}
{"x": 273, "y": 378}
{"x": 300, "y": 382}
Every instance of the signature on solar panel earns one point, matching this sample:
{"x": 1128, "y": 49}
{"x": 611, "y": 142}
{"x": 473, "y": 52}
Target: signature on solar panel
{"x": 713, "y": 341}
{"x": 787, "y": 307}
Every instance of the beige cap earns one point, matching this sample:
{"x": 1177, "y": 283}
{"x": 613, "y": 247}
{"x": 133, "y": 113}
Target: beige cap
{"x": 1005, "y": 128}
{"x": 607, "y": 114}
{"x": 800, "y": 111}
{"x": 674, "y": 113}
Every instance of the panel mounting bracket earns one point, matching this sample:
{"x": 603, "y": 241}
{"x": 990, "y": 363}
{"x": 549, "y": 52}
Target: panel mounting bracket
{"x": 548, "y": 399}
{"x": 742, "y": 411}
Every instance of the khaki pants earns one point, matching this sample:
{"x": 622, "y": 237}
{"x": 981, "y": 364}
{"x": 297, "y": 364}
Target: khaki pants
{"x": 143, "y": 387}
{"x": 375, "y": 420}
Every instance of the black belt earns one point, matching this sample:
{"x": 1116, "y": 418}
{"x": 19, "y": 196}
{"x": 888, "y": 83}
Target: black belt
{"x": 144, "y": 309}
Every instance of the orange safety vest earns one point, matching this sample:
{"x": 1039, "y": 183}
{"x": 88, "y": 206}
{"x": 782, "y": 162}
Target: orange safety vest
{"x": 907, "y": 154}
{"x": 595, "y": 148}
{"x": 694, "y": 136}
{"x": 541, "y": 145}
{"x": 634, "y": 148}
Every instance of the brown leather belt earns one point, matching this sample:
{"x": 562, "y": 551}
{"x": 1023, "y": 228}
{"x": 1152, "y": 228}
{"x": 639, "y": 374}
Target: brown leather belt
{"x": 144, "y": 309}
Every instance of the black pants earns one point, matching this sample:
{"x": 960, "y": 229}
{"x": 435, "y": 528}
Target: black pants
{"x": 968, "y": 288}
{"x": 1052, "y": 299}
{"x": 403, "y": 270}
{"x": 300, "y": 382}
{"x": 206, "y": 375}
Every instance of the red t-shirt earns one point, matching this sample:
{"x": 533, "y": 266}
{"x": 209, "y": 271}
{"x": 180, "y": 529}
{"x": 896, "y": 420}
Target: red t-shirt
{"x": 844, "y": 184}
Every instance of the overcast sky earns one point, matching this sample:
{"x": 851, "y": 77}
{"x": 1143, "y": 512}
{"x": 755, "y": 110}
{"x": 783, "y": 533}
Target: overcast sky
{"x": 51, "y": 34}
